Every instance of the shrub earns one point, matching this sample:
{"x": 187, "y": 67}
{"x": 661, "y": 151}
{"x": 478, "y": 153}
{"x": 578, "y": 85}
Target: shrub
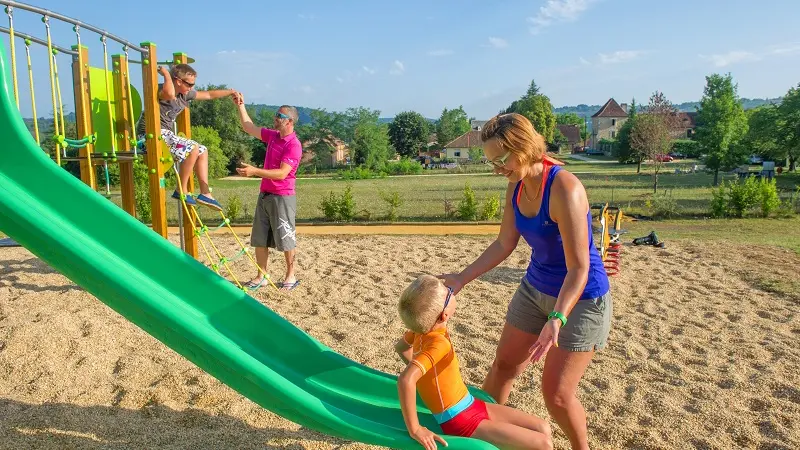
{"x": 339, "y": 207}
{"x": 141, "y": 180}
{"x": 491, "y": 208}
{"x": 468, "y": 207}
{"x": 393, "y": 202}
{"x": 449, "y": 212}
{"x": 719, "y": 202}
{"x": 688, "y": 147}
{"x": 234, "y": 207}
{"x": 359, "y": 173}
{"x": 662, "y": 206}
{"x": 743, "y": 196}
{"x": 769, "y": 201}
{"x": 217, "y": 161}
{"x": 405, "y": 166}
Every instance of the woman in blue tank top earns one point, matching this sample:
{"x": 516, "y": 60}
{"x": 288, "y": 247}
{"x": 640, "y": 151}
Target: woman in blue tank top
{"x": 562, "y": 308}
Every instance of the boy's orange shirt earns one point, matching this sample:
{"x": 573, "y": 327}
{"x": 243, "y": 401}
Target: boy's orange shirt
{"x": 441, "y": 385}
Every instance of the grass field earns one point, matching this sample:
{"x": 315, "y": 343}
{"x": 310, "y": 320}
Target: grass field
{"x": 424, "y": 196}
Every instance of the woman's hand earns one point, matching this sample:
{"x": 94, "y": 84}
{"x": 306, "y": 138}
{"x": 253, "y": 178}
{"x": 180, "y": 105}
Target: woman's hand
{"x": 427, "y": 438}
{"x": 548, "y": 337}
{"x": 453, "y": 281}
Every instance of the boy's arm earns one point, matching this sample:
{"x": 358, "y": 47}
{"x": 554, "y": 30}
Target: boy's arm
{"x": 211, "y": 95}
{"x": 405, "y": 350}
{"x": 407, "y": 390}
{"x": 167, "y": 89}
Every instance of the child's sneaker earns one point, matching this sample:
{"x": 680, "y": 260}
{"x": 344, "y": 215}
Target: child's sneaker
{"x": 208, "y": 201}
{"x": 189, "y": 199}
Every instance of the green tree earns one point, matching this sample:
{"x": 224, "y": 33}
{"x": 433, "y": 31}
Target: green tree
{"x": 351, "y": 119}
{"x": 790, "y": 125}
{"x": 721, "y": 122}
{"x": 452, "y": 124}
{"x": 221, "y": 114}
{"x": 650, "y": 136}
{"x": 571, "y": 118}
{"x": 538, "y": 109}
{"x": 217, "y": 161}
{"x": 371, "y": 145}
{"x": 626, "y": 154}
{"x": 408, "y": 133}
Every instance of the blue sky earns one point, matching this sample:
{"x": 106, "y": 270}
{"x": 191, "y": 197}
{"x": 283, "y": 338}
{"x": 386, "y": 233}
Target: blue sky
{"x": 425, "y": 56}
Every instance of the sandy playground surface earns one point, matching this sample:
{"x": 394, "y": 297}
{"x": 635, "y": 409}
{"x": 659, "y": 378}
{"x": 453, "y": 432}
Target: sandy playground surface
{"x": 702, "y": 354}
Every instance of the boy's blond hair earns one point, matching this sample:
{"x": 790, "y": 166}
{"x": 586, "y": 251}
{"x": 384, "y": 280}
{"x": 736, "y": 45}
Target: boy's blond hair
{"x": 421, "y": 303}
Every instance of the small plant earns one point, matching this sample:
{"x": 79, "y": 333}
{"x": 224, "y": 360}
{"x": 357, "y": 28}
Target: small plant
{"x": 491, "y": 208}
{"x": 339, "y": 207}
{"x": 468, "y": 206}
{"x": 393, "y": 202}
{"x": 234, "y": 208}
{"x": 719, "y": 202}
{"x": 742, "y": 197}
{"x": 330, "y": 206}
{"x": 769, "y": 201}
{"x": 663, "y": 206}
{"x": 449, "y": 212}
{"x": 141, "y": 183}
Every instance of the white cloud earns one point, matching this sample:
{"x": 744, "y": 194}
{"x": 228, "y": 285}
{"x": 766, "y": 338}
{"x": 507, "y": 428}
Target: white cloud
{"x": 397, "y": 68}
{"x": 368, "y": 70}
{"x": 732, "y": 57}
{"x": 585, "y": 62}
{"x": 620, "y": 56}
{"x": 785, "y": 49}
{"x": 556, "y": 11}
{"x": 497, "y": 42}
{"x": 440, "y": 52}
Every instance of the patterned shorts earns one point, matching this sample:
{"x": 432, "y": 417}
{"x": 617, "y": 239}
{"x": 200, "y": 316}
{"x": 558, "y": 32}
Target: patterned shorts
{"x": 179, "y": 147}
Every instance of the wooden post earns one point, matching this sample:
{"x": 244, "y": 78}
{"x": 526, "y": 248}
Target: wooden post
{"x": 124, "y": 135}
{"x": 83, "y": 108}
{"x": 155, "y": 169}
{"x": 184, "y": 123}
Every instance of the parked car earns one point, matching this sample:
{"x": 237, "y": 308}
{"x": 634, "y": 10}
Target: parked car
{"x": 664, "y": 158}
{"x": 677, "y": 155}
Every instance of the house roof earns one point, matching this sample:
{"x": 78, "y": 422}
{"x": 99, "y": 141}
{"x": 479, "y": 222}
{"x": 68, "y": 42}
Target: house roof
{"x": 687, "y": 119}
{"x": 611, "y": 109}
{"x": 466, "y": 140}
{"x": 571, "y": 132}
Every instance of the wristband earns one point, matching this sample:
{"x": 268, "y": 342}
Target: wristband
{"x": 559, "y": 316}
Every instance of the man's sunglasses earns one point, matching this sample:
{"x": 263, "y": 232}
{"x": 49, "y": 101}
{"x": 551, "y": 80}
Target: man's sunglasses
{"x": 191, "y": 85}
{"x": 281, "y": 115}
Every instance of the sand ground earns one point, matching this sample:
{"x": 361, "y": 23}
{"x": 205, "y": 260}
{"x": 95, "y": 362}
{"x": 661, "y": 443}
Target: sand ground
{"x": 703, "y": 352}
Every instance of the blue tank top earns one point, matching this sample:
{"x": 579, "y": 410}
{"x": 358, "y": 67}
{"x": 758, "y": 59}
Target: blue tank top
{"x": 548, "y": 267}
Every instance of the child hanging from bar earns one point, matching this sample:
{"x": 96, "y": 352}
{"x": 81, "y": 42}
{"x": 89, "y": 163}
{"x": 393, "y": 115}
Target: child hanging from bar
{"x": 174, "y": 95}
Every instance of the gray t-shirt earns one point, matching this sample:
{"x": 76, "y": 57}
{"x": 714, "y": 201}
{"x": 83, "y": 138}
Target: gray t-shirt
{"x": 169, "y": 110}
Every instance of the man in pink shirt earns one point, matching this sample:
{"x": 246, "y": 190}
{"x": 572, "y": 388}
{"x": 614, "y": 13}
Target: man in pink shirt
{"x": 274, "y": 221}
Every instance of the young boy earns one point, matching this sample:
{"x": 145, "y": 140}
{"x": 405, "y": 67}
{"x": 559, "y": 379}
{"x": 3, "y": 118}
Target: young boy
{"x": 425, "y": 307}
{"x": 174, "y": 95}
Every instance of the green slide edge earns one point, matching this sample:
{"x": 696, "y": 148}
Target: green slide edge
{"x": 188, "y": 307}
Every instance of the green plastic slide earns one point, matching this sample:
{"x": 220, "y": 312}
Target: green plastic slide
{"x": 185, "y": 305}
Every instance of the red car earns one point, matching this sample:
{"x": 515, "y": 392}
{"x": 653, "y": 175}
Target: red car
{"x": 664, "y": 158}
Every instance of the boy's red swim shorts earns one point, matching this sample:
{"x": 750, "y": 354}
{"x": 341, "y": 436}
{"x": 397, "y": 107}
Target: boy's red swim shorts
{"x": 465, "y": 423}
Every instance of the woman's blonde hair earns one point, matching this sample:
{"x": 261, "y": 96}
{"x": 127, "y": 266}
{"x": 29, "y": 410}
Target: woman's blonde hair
{"x": 421, "y": 303}
{"x": 515, "y": 133}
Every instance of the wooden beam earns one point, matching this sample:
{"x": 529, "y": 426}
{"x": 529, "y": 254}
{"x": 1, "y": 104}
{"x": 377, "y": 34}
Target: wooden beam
{"x": 183, "y": 121}
{"x": 83, "y": 110}
{"x": 153, "y": 141}
{"x": 125, "y": 126}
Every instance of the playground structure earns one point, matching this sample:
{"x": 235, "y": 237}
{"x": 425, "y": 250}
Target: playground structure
{"x": 107, "y": 108}
{"x": 610, "y": 230}
{"x": 178, "y": 300}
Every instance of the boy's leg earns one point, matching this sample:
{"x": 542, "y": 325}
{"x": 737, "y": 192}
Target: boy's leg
{"x": 509, "y": 436}
{"x": 201, "y": 168}
{"x": 507, "y": 414}
{"x": 186, "y": 169}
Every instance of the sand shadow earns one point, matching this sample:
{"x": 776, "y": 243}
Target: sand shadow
{"x": 62, "y": 425}
{"x": 503, "y": 275}
{"x": 9, "y": 268}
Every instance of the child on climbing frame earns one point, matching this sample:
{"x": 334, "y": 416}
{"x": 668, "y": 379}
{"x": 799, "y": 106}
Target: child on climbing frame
{"x": 174, "y": 95}
{"x": 425, "y": 307}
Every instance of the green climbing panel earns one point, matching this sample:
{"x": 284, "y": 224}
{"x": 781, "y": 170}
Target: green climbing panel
{"x": 97, "y": 86}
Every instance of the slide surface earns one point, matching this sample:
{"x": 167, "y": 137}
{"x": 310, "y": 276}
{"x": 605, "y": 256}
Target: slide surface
{"x": 188, "y": 307}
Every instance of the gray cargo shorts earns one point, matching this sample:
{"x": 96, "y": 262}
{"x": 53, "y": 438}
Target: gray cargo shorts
{"x": 588, "y": 324}
{"x": 273, "y": 223}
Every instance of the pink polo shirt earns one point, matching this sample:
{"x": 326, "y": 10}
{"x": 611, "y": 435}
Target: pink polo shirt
{"x": 280, "y": 150}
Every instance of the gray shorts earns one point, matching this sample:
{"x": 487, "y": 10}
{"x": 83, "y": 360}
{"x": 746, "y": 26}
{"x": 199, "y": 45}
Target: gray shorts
{"x": 273, "y": 224}
{"x": 588, "y": 324}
